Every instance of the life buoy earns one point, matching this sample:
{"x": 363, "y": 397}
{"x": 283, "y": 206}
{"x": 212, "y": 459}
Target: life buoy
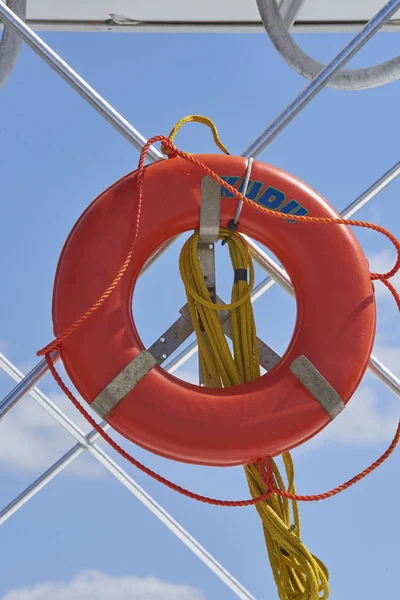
{"x": 334, "y": 329}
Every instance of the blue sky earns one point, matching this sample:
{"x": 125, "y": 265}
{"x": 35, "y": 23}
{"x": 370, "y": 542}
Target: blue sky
{"x": 84, "y": 536}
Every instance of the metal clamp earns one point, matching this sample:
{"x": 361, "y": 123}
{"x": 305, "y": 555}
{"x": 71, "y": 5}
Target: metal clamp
{"x": 210, "y": 216}
{"x": 140, "y": 366}
{"x": 318, "y": 386}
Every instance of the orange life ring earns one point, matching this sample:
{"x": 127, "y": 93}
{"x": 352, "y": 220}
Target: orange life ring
{"x": 335, "y": 324}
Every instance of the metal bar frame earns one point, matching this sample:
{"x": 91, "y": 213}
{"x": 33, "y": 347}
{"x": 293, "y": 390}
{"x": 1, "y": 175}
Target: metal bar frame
{"x": 217, "y": 27}
{"x": 26, "y": 385}
{"x": 289, "y": 10}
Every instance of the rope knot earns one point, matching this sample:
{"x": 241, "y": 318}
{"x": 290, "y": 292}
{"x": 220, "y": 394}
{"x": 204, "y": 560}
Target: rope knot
{"x": 169, "y": 153}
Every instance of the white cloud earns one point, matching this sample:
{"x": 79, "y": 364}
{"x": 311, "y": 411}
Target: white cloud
{"x": 365, "y": 420}
{"x": 93, "y": 585}
{"x": 31, "y": 440}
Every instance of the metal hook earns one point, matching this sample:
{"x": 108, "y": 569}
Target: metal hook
{"x": 234, "y": 224}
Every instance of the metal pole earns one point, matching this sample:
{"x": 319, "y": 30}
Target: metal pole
{"x": 158, "y": 253}
{"x": 43, "y": 480}
{"x": 84, "y": 442}
{"x": 76, "y": 82}
{"x": 372, "y": 191}
{"x": 40, "y": 370}
{"x": 87, "y": 443}
{"x": 386, "y": 376}
{"x": 25, "y": 384}
{"x": 320, "y": 81}
{"x": 289, "y": 10}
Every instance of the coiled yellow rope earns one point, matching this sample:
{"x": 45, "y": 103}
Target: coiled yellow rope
{"x": 298, "y": 574}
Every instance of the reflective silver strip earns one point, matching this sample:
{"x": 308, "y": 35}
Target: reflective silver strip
{"x": 210, "y": 210}
{"x": 318, "y": 386}
{"x": 210, "y": 216}
{"x": 140, "y": 366}
{"x": 123, "y": 383}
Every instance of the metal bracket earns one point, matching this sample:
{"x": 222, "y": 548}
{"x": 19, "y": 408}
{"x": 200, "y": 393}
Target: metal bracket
{"x": 210, "y": 215}
{"x": 140, "y": 366}
{"x": 289, "y": 10}
{"x": 318, "y": 386}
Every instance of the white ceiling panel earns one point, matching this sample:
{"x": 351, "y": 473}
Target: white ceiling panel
{"x": 198, "y": 15}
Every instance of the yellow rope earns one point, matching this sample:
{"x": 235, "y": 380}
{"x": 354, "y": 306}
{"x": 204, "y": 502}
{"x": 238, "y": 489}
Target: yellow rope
{"x": 196, "y": 119}
{"x": 298, "y": 574}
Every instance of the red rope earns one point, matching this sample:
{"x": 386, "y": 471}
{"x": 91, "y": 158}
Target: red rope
{"x": 267, "y": 476}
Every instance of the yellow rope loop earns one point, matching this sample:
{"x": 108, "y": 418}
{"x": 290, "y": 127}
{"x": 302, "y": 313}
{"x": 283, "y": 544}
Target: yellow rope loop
{"x": 189, "y": 267}
{"x": 298, "y": 574}
{"x": 195, "y": 119}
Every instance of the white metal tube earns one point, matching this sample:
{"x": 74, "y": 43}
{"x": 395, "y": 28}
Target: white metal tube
{"x": 24, "y": 385}
{"x": 40, "y": 482}
{"x": 322, "y": 79}
{"x": 289, "y": 9}
{"x": 76, "y": 81}
{"x": 372, "y": 191}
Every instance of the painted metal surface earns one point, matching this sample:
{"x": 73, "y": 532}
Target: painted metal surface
{"x": 193, "y": 15}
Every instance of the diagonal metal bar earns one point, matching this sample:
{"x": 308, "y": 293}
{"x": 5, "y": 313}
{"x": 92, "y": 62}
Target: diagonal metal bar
{"x": 68, "y": 425}
{"x": 76, "y": 81}
{"x": 289, "y": 10}
{"x": 41, "y": 482}
{"x": 319, "y": 82}
{"x": 87, "y": 443}
{"x": 24, "y": 385}
{"x": 372, "y": 191}
{"x": 41, "y": 369}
